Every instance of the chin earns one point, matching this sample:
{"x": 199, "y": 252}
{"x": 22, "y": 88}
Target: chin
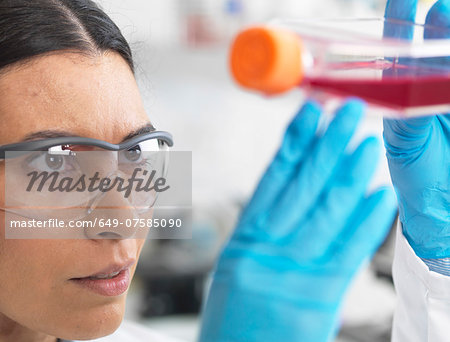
{"x": 95, "y": 323}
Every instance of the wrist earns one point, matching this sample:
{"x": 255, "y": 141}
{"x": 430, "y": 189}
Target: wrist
{"x": 429, "y": 241}
{"x": 441, "y": 265}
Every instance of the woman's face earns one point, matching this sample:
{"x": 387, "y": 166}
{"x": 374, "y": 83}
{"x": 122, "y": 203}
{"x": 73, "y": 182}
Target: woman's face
{"x": 94, "y": 97}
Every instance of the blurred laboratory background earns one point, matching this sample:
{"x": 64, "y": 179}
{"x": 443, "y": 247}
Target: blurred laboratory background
{"x": 181, "y": 50}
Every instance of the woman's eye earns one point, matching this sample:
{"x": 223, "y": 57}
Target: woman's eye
{"x": 54, "y": 162}
{"x": 49, "y": 162}
{"x": 133, "y": 154}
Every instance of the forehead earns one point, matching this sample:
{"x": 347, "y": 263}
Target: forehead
{"x": 95, "y": 97}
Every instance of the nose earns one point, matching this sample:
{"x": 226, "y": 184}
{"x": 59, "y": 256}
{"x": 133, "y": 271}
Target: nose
{"x": 115, "y": 217}
{"x": 112, "y": 223}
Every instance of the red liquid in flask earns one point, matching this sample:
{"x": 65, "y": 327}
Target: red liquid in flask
{"x": 410, "y": 89}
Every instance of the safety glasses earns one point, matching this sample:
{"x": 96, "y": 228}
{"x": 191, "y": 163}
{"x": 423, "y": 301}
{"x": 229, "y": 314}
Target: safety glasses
{"x": 69, "y": 177}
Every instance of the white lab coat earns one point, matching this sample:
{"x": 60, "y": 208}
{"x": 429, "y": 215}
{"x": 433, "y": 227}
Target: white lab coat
{"x": 423, "y": 307}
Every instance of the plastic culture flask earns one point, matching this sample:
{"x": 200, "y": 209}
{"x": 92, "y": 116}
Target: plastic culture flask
{"x": 401, "y": 69}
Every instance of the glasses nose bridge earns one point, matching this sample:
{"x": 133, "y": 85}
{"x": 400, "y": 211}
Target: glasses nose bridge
{"x": 115, "y": 205}
{"x": 116, "y": 192}
{"x": 101, "y": 162}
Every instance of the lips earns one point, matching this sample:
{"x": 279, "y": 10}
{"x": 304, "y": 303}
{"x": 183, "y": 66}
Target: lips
{"x": 112, "y": 280}
{"x": 104, "y": 276}
{"x": 109, "y": 270}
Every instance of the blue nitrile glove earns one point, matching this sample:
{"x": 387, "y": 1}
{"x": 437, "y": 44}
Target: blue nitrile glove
{"x": 418, "y": 152}
{"x": 301, "y": 238}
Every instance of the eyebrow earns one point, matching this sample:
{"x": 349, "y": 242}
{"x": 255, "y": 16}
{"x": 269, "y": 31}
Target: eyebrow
{"x": 147, "y": 128}
{"x": 48, "y": 134}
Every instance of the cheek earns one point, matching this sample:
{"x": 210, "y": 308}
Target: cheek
{"x": 28, "y": 286}
{"x": 24, "y": 264}
{"x": 27, "y": 266}
{"x": 140, "y": 244}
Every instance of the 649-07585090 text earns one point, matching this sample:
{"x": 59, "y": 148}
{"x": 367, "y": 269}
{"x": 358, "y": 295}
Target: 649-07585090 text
{"x": 103, "y": 222}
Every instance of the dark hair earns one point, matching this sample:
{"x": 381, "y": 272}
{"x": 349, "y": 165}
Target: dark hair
{"x": 29, "y": 28}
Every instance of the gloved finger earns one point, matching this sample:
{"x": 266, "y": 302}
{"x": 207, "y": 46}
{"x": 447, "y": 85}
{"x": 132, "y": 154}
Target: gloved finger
{"x": 366, "y": 230}
{"x": 296, "y": 143}
{"x": 335, "y": 206}
{"x": 314, "y": 173}
{"x": 438, "y": 15}
{"x": 438, "y": 27}
{"x": 402, "y": 10}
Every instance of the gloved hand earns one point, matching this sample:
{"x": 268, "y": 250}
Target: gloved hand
{"x": 301, "y": 238}
{"x": 418, "y": 152}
